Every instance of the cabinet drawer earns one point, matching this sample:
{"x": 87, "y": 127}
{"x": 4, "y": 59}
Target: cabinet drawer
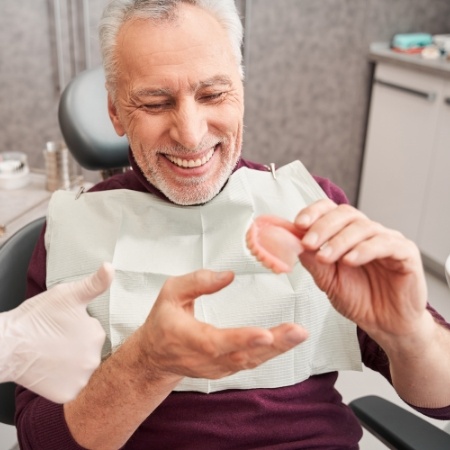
{"x": 434, "y": 235}
{"x": 405, "y": 181}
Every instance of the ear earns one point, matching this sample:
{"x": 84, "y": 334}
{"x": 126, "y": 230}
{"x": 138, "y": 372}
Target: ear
{"x": 114, "y": 116}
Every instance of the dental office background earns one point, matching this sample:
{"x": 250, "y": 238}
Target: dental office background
{"x": 308, "y": 94}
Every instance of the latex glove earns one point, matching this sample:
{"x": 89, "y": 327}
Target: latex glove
{"x": 49, "y": 344}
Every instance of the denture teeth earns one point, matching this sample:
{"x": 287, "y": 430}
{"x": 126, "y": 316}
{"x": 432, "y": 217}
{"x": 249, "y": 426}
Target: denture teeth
{"x": 189, "y": 163}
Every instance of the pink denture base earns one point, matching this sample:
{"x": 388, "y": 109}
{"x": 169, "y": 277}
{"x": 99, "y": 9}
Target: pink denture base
{"x": 275, "y": 242}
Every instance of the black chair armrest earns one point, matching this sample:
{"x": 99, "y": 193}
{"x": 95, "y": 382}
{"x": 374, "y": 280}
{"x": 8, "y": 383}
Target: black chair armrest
{"x": 396, "y": 427}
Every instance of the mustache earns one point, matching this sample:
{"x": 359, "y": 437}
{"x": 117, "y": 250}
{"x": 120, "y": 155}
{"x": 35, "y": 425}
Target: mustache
{"x": 180, "y": 150}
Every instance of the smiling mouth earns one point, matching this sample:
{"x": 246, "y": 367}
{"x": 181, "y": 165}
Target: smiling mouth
{"x": 191, "y": 163}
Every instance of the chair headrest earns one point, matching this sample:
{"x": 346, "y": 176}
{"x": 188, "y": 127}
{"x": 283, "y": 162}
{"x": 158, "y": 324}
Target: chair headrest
{"x": 86, "y": 126}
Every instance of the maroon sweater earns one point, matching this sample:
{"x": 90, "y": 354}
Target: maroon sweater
{"x": 308, "y": 415}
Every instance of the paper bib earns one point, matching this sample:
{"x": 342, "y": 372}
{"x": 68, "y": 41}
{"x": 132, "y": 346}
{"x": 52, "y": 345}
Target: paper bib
{"x": 148, "y": 240}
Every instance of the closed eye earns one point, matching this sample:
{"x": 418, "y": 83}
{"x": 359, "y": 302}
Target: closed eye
{"x": 156, "y": 107}
{"x": 212, "y": 97}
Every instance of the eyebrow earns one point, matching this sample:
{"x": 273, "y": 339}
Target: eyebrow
{"x": 218, "y": 80}
{"x": 221, "y": 80}
{"x": 149, "y": 92}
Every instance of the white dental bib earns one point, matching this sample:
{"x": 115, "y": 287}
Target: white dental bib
{"x": 148, "y": 240}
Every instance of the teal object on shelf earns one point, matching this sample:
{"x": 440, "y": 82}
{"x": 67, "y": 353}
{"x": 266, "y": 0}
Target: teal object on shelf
{"x": 412, "y": 40}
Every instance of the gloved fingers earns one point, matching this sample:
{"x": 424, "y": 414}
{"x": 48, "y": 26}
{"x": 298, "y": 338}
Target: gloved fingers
{"x": 98, "y": 335}
{"x": 57, "y": 366}
{"x": 55, "y": 385}
{"x": 85, "y": 290}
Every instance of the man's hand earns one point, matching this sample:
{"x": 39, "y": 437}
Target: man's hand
{"x": 174, "y": 343}
{"x": 53, "y": 344}
{"x": 170, "y": 345}
{"x": 372, "y": 275}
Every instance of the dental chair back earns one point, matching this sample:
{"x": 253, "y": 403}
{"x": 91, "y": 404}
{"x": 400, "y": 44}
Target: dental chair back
{"x": 86, "y": 127}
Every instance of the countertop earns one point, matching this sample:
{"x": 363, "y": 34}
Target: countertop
{"x": 20, "y": 206}
{"x": 381, "y": 52}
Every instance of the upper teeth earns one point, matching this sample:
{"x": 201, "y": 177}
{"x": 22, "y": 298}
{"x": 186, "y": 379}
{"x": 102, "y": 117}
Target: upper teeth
{"x": 191, "y": 162}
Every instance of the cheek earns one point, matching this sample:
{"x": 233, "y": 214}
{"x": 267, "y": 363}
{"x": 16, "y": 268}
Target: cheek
{"x": 229, "y": 121}
{"x": 146, "y": 130}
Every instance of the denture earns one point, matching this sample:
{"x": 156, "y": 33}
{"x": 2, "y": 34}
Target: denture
{"x": 275, "y": 242}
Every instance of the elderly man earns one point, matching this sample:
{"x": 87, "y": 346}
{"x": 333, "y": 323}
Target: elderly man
{"x": 223, "y": 359}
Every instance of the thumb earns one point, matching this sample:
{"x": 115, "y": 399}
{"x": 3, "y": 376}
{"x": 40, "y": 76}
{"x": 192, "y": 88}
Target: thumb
{"x": 187, "y": 288}
{"x": 85, "y": 290}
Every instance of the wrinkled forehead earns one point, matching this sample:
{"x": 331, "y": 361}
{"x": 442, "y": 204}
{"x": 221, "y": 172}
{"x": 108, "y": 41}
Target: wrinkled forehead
{"x": 191, "y": 46}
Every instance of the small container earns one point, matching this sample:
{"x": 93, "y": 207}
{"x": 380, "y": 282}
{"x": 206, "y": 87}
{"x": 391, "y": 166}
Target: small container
{"x": 14, "y": 170}
{"x": 62, "y": 171}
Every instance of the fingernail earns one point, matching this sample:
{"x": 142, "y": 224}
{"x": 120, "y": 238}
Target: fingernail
{"x": 310, "y": 238}
{"x": 221, "y": 275}
{"x": 261, "y": 341}
{"x": 293, "y": 337}
{"x": 352, "y": 256}
{"x": 325, "y": 250}
{"x": 303, "y": 220}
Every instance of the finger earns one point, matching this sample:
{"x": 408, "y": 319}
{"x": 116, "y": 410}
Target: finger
{"x": 186, "y": 288}
{"x": 390, "y": 245}
{"x": 312, "y": 212}
{"x": 85, "y": 290}
{"x": 347, "y": 238}
{"x": 215, "y": 342}
{"x": 285, "y": 337}
{"x": 329, "y": 224}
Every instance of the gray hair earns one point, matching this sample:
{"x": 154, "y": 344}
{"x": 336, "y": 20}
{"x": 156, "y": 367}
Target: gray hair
{"x": 117, "y": 12}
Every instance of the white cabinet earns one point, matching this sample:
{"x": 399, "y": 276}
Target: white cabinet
{"x": 434, "y": 232}
{"x": 405, "y": 181}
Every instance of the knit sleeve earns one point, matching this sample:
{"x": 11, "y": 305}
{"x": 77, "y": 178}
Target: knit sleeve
{"x": 333, "y": 192}
{"x": 41, "y": 424}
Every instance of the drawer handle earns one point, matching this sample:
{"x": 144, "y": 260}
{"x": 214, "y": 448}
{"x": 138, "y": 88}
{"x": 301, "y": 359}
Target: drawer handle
{"x": 430, "y": 96}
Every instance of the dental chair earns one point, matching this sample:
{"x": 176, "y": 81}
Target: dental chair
{"x": 91, "y": 138}
{"x": 15, "y": 255}
{"x": 86, "y": 127}
{"x": 396, "y": 427}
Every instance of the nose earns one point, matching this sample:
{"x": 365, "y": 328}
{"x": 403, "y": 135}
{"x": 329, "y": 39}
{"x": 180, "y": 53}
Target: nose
{"x": 189, "y": 124}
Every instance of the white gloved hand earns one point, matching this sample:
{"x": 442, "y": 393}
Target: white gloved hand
{"x": 50, "y": 344}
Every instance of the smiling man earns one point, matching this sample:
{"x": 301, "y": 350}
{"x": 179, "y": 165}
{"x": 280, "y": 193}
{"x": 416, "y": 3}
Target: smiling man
{"x": 179, "y": 99}
{"x": 206, "y": 349}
